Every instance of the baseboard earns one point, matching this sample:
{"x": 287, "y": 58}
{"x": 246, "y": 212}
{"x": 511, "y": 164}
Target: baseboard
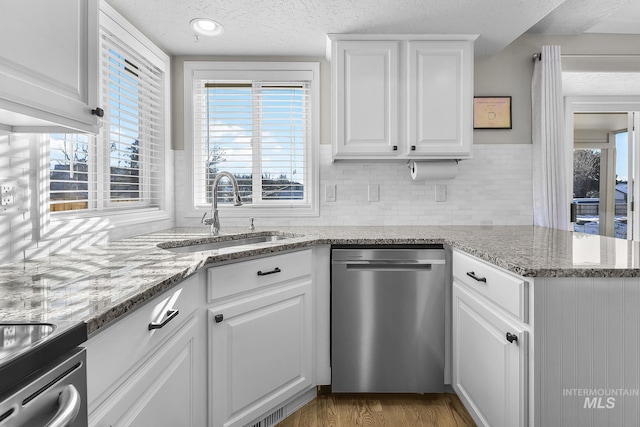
{"x": 299, "y": 401}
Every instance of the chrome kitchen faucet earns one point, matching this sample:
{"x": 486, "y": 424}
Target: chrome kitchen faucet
{"x": 214, "y": 221}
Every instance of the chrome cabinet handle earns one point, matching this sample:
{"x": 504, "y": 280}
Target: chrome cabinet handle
{"x": 266, "y": 273}
{"x": 474, "y": 277}
{"x": 69, "y": 402}
{"x": 170, "y": 315}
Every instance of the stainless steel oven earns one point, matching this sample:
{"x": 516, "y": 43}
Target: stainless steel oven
{"x": 43, "y": 375}
{"x": 53, "y": 397}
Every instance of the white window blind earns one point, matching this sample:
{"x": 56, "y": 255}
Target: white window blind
{"x": 131, "y": 91}
{"x": 259, "y": 132}
{"x": 123, "y": 166}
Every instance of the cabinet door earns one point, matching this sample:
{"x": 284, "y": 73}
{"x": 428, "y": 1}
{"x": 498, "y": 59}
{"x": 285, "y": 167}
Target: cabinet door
{"x": 260, "y": 353}
{"x": 365, "y": 79}
{"x": 48, "y": 69}
{"x": 489, "y": 372}
{"x": 163, "y": 391}
{"x": 440, "y": 109}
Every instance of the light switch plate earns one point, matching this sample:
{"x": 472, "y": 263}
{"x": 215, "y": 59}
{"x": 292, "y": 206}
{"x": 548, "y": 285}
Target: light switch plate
{"x": 374, "y": 193}
{"x": 441, "y": 193}
{"x": 330, "y": 193}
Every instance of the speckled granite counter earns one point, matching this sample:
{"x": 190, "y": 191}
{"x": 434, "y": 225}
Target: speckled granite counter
{"x": 98, "y": 284}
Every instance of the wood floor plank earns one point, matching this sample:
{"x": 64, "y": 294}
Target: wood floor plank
{"x": 381, "y": 410}
{"x": 329, "y": 412}
{"x": 402, "y": 411}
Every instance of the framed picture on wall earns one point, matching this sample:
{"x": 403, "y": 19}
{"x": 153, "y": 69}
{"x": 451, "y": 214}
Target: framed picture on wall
{"x": 492, "y": 112}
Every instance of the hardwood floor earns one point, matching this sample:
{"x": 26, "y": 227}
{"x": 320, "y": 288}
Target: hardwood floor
{"x": 377, "y": 410}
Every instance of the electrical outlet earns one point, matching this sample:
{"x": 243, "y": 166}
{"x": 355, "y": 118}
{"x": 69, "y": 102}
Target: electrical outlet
{"x": 330, "y": 193}
{"x": 6, "y": 194}
{"x": 441, "y": 193}
{"x": 374, "y": 193}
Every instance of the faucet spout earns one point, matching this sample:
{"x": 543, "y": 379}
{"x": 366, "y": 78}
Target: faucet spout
{"x": 214, "y": 221}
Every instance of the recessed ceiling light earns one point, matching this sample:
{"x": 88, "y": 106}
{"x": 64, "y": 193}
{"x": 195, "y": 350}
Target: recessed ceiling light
{"x": 206, "y": 27}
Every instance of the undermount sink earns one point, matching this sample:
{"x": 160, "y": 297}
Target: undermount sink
{"x": 221, "y": 242}
{"x": 14, "y": 337}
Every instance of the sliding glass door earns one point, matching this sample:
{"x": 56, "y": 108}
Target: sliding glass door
{"x": 604, "y": 170}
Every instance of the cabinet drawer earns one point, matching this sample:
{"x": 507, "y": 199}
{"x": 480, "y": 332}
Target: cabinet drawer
{"x": 256, "y": 273}
{"x": 112, "y": 354}
{"x": 508, "y": 291}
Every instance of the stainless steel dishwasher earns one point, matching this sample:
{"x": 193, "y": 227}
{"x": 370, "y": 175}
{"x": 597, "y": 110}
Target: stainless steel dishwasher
{"x": 388, "y": 320}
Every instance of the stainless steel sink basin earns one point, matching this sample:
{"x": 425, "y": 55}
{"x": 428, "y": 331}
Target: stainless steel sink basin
{"x": 222, "y": 242}
{"x": 17, "y": 336}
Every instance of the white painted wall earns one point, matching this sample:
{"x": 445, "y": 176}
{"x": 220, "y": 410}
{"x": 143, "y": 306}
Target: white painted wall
{"x": 509, "y": 73}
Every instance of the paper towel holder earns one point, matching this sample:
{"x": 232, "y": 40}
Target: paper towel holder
{"x": 410, "y": 163}
{"x": 433, "y": 175}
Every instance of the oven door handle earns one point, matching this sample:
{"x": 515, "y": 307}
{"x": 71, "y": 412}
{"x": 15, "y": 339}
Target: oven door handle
{"x": 69, "y": 402}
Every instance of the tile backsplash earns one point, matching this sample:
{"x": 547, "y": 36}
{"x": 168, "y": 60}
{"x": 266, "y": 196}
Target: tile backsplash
{"x": 495, "y": 187}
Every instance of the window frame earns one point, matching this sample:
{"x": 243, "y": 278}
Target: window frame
{"x": 255, "y": 71}
{"x": 61, "y": 223}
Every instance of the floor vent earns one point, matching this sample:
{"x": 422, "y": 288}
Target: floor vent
{"x": 270, "y": 420}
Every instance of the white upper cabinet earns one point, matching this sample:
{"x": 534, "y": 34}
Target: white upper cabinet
{"x": 366, "y": 98}
{"x": 402, "y": 97}
{"x": 440, "y": 98}
{"x": 48, "y": 65}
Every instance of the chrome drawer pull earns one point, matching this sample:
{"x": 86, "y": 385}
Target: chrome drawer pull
{"x": 266, "y": 273}
{"x": 472, "y": 274}
{"x": 170, "y": 315}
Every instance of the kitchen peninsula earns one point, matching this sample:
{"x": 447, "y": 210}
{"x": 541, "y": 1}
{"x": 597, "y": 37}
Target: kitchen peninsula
{"x": 576, "y": 310}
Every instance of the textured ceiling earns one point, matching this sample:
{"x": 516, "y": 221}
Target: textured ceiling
{"x": 580, "y": 16}
{"x": 299, "y": 27}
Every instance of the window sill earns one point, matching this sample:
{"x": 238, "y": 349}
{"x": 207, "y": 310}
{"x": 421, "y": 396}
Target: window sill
{"x": 69, "y": 224}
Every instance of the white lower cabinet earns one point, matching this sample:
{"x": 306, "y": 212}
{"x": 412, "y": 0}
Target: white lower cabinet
{"x": 261, "y": 343}
{"x": 490, "y": 346}
{"x": 142, "y": 377}
{"x": 489, "y": 370}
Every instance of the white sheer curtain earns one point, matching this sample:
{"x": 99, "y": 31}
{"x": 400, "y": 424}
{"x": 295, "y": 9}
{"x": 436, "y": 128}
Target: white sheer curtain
{"x": 549, "y": 177}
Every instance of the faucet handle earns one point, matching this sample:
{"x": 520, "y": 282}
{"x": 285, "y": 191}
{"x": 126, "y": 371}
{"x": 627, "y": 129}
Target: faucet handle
{"x": 203, "y": 217}
{"x": 251, "y": 226}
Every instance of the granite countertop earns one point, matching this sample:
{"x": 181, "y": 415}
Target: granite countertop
{"x": 100, "y": 283}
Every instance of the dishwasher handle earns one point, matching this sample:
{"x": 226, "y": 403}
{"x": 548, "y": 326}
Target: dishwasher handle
{"x": 404, "y": 262}
{"x": 389, "y": 265}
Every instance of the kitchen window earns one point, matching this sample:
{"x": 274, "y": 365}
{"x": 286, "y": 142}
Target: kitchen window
{"x": 121, "y": 168}
{"x": 258, "y": 125}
